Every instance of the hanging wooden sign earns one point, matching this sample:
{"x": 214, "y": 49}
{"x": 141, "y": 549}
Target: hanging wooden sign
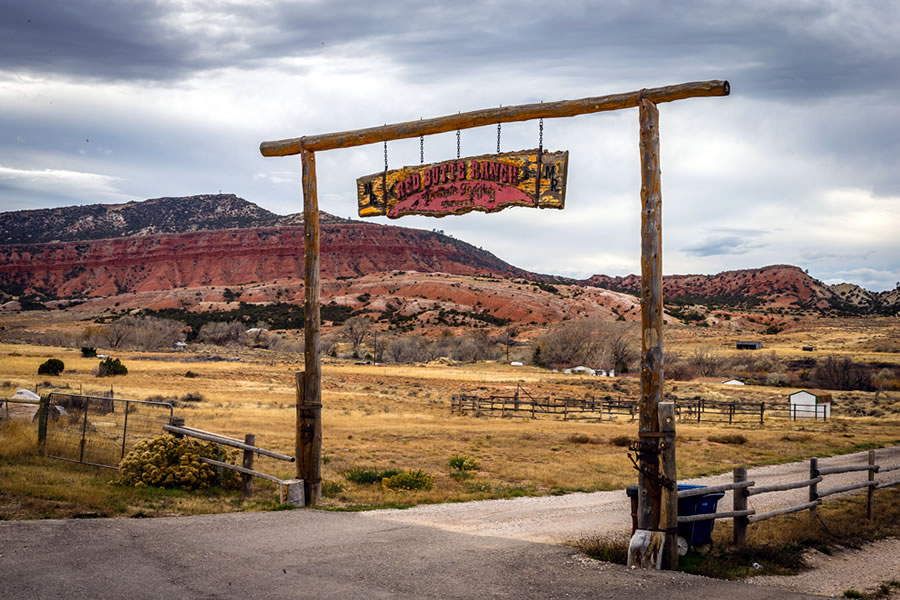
{"x": 486, "y": 183}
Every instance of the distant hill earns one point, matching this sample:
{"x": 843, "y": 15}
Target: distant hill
{"x": 151, "y": 217}
{"x": 775, "y": 286}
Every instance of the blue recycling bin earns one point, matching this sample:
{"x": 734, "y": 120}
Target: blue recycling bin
{"x": 697, "y": 533}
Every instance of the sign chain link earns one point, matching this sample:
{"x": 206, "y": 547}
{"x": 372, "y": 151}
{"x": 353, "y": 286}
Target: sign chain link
{"x": 457, "y": 143}
{"x": 498, "y": 135}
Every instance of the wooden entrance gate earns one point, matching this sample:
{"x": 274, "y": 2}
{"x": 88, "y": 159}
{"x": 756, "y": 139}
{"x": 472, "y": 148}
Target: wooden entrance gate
{"x": 657, "y": 500}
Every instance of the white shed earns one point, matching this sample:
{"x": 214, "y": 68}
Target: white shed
{"x": 810, "y": 404}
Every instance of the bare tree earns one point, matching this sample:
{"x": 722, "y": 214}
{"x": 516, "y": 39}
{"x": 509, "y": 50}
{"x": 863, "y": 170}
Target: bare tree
{"x": 707, "y": 360}
{"x": 355, "y": 330}
{"x": 841, "y": 373}
{"x": 508, "y": 338}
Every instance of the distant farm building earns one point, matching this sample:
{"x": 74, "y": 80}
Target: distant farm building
{"x": 718, "y": 380}
{"x": 749, "y": 345}
{"x": 810, "y": 404}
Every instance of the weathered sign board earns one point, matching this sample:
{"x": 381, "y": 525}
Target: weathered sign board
{"x": 486, "y": 183}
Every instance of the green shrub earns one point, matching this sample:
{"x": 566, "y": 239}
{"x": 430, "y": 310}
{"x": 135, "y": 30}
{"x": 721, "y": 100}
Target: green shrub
{"x": 330, "y": 488}
{"x": 53, "y": 366}
{"x": 88, "y": 351}
{"x": 409, "y": 480}
{"x": 459, "y": 462}
{"x": 368, "y": 476}
{"x": 111, "y": 366}
{"x": 168, "y": 462}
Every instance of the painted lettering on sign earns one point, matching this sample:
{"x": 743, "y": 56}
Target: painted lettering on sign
{"x": 485, "y": 183}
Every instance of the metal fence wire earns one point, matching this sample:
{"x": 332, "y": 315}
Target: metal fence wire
{"x": 100, "y": 431}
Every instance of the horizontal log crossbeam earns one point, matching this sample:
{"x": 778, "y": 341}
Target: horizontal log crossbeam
{"x": 847, "y": 469}
{"x": 782, "y": 511}
{"x": 225, "y": 465}
{"x": 722, "y": 515}
{"x": 782, "y": 487}
{"x": 847, "y": 488}
{"x": 225, "y": 441}
{"x": 714, "y": 488}
{"x": 492, "y": 116}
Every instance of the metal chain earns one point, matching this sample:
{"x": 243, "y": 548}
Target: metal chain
{"x": 541, "y": 134}
{"x": 457, "y": 143}
{"x": 421, "y": 149}
{"x": 498, "y": 135}
{"x": 385, "y": 157}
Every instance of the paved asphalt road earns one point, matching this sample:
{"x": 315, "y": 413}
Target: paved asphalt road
{"x": 314, "y": 554}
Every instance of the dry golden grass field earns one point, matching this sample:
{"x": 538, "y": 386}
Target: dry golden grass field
{"x": 398, "y": 416}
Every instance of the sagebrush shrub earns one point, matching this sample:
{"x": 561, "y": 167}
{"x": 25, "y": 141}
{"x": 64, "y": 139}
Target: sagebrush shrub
{"x": 368, "y": 476}
{"x": 168, "y": 462}
{"x": 111, "y": 366}
{"x": 52, "y": 366}
{"x": 409, "y": 480}
{"x": 461, "y": 462}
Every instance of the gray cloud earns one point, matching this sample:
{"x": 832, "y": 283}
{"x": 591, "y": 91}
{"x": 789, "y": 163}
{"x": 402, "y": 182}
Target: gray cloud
{"x": 723, "y": 244}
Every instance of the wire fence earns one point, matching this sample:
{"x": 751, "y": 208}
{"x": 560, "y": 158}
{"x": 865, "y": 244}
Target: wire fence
{"x": 99, "y": 431}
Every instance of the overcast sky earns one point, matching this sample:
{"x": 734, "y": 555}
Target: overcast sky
{"x": 108, "y": 102}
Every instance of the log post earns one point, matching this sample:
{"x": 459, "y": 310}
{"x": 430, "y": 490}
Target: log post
{"x": 308, "y": 467}
{"x": 651, "y": 317}
{"x": 740, "y": 503}
{"x": 309, "y": 443}
{"x": 814, "y": 487}
{"x": 870, "y": 492}
{"x": 247, "y": 463}
{"x": 668, "y": 518}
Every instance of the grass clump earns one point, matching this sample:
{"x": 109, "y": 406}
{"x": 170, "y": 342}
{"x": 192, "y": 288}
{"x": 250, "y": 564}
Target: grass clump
{"x": 408, "y": 481}
{"x": 731, "y": 438}
{"x": 17, "y": 439}
{"x": 365, "y": 476}
{"x": 579, "y": 438}
{"x": 461, "y": 463}
{"x": 620, "y": 441}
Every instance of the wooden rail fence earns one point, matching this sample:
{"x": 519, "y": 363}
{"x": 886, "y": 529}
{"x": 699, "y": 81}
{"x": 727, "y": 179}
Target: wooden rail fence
{"x": 743, "y": 489}
{"x": 524, "y": 405}
{"x": 291, "y": 490}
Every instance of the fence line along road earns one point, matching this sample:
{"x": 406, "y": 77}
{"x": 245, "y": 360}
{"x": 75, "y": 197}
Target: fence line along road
{"x": 742, "y": 489}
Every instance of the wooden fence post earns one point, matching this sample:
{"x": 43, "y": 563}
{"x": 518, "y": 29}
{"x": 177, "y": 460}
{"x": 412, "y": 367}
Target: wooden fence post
{"x": 309, "y": 443}
{"x": 740, "y": 503}
{"x": 870, "y": 491}
{"x": 814, "y": 487}
{"x": 43, "y": 414}
{"x": 668, "y": 518}
{"x": 246, "y": 479}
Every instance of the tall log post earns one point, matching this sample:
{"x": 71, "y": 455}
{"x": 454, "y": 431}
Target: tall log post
{"x": 813, "y": 488}
{"x": 668, "y": 517}
{"x": 308, "y": 467}
{"x": 309, "y": 443}
{"x": 651, "y": 318}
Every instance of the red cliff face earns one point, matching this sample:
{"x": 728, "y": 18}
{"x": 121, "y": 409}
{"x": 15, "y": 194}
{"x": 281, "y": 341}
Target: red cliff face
{"x": 231, "y": 257}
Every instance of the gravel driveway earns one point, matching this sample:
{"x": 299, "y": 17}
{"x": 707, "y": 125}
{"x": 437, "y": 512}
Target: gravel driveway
{"x": 558, "y": 519}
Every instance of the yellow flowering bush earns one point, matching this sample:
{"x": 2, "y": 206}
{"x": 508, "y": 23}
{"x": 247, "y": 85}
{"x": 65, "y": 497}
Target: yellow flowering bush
{"x": 168, "y": 462}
